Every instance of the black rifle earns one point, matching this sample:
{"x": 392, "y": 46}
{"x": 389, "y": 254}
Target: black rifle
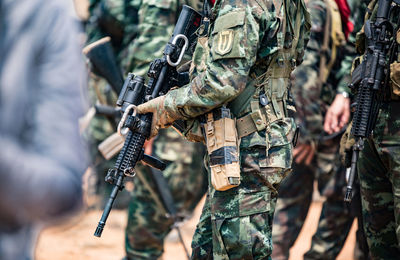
{"x": 369, "y": 80}
{"x": 163, "y": 75}
{"x": 103, "y": 62}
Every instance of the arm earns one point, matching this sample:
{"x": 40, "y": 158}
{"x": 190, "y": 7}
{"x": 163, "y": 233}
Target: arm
{"x": 220, "y": 78}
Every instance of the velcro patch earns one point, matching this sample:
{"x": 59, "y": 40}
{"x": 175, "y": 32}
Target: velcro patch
{"x": 224, "y": 42}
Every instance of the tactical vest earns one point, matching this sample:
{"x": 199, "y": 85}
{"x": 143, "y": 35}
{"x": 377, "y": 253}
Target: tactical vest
{"x": 265, "y": 98}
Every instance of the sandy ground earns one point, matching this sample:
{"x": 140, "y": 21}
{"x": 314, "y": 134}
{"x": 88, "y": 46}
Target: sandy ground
{"x": 76, "y": 240}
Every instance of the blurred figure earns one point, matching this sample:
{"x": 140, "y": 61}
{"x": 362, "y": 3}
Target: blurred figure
{"x": 42, "y": 157}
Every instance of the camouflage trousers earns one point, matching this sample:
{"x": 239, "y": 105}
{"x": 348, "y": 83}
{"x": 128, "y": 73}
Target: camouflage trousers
{"x": 379, "y": 174}
{"x": 236, "y": 224}
{"x": 294, "y": 200}
{"x": 148, "y": 223}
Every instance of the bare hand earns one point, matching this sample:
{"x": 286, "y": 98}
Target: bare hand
{"x": 304, "y": 153}
{"x": 338, "y": 114}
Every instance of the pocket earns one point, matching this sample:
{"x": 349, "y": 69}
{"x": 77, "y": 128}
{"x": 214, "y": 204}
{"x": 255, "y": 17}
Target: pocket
{"x": 237, "y": 204}
{"x": 228, "y": 36}
{"x": 280, "y": 147}
{"x": 243, "y": 237}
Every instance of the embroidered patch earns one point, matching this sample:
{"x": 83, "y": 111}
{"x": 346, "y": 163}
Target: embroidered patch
{"x": 224, "y": 42}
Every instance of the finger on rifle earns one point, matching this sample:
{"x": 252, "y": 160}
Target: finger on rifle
{"x": 148, "y": 146}
{"x": 145, "y": 108}
{"x": 344, "y": 118}
{"x": 334, "y": 127}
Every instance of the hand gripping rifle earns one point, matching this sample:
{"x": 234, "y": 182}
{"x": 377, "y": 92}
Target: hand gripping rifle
{"x": 163, "y": 75}
{"x": 369, "y": 79}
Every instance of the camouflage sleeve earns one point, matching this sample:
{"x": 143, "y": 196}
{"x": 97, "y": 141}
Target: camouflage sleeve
{"x": 156, "y": 23}
{"x": 224, "y": 72}
{"x": 306, "y": 87}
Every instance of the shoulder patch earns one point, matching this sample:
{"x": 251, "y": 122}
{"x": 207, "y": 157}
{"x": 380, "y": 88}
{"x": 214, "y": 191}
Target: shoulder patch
{"x": 224, "y": 42}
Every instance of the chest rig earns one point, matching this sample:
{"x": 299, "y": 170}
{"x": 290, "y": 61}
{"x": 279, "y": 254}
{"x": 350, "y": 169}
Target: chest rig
{"x": 266, "y": 99}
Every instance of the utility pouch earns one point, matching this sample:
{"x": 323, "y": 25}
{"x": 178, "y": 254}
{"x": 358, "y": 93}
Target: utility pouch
{"x": 395, "y": 78}
{"x": 223, "y": 149}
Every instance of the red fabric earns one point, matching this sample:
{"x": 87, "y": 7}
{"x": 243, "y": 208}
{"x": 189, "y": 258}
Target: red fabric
{"x": 344, "y": 10}
{"x": 212, "y": 2}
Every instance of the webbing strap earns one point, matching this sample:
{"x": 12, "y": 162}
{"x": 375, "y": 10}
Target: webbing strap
{"x": 332, "y": 30}
{"x": 242, "y": 101}
{"x": 247, "y": 125}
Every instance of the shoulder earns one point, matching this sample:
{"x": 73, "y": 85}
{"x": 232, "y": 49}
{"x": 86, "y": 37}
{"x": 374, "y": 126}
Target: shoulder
{"x": 254, "y": 11}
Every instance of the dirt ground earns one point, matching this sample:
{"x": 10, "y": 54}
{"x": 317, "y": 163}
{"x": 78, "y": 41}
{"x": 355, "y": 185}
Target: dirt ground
{"x": 76, "y": 241}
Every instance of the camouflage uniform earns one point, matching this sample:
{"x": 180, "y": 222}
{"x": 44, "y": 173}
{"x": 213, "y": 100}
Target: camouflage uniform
{"x": 236, "y": 223}
{"x": 148, "y": 224}
{"x": 379, "y": 173}
{"x": 313, "y": 93}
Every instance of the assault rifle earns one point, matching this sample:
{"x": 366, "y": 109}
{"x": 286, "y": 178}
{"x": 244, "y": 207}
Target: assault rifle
{"x": 369, "y": 80}
{"x": 163, "y": 75}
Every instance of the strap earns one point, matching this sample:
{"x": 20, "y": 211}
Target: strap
{"x": 164, "y": 191}
{"x": 333, "y": 30}
{"x": 252, "y": 122}
{"x": 242, "y": 101}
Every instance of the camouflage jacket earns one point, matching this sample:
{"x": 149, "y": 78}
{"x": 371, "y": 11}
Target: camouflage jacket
{"x": 222, "y": 70}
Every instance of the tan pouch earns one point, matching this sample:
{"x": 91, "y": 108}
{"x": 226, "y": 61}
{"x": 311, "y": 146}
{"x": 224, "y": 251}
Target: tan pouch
{"x": 223, "y": 150}
{"x": 395, "y": 77}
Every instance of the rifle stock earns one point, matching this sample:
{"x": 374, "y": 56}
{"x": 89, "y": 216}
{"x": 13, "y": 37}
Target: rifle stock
{"x": 103, "y": 62}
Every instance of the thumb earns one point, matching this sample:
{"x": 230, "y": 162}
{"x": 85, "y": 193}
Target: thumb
{"x": 151, "y": 105}
{"x": 144, "y": 108}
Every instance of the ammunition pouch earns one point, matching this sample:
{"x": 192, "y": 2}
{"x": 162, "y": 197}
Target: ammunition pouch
{"x": 223, "y": 149}
{"x": 395, "y": 80}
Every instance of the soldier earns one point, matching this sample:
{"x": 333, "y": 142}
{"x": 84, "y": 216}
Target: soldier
{"x": 315, "y": 83}
{"x": 243, "y": 59}
{"x": 148, "y": 224}
{"x": 378, "y": 164}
